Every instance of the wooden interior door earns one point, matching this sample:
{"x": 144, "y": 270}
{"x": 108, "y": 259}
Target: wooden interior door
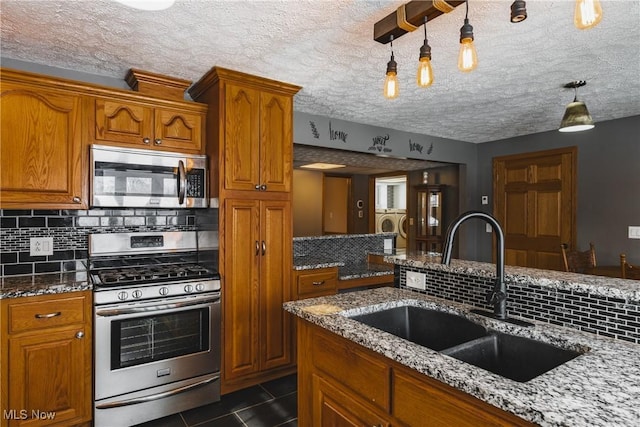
{"x": 534, "y": 200}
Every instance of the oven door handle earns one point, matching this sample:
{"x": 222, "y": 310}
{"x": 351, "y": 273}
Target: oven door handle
{"x": 151, "y": 397}
{"x": 182, "y": 182}
{"x": 118, "y": 311}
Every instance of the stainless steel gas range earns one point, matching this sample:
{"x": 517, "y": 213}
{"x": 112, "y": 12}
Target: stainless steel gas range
{"x": 157, "y": 326}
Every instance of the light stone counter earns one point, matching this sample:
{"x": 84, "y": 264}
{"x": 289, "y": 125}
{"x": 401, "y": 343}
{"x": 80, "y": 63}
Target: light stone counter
{"x": 598, "y": 388}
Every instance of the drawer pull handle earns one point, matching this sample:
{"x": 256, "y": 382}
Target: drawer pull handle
{"x": 320, "y": 283}
{"x": 48, "y": 315}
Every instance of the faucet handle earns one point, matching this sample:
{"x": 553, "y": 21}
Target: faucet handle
{"x": 494, "y": 297}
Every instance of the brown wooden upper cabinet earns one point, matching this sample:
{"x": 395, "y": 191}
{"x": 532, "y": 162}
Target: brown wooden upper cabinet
{"x": 41, "y": 161}
{"x": 254, "y": 141}
{"x": 139, "y": 125}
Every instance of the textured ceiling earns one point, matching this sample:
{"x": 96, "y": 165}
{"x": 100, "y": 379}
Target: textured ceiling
{"x": 327, "y": 48}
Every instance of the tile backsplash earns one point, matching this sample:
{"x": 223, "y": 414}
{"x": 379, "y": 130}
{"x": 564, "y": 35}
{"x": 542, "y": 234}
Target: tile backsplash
{"x": 610, "y": 317}
{"x": 70, "y": 229}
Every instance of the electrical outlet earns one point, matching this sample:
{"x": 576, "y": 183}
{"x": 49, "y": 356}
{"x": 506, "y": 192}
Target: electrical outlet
{"x": 485, "y": 200}
{"x": 416, "y": 280}
{"x": 40, "y": 246}
{"x": 634, "y": 232}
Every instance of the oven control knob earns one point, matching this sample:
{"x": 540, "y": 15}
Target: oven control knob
{"x": 123, "y": 295}
{"x": 136, "y": 294}
{"x": 163, "y": 290}
{"x": 199, "y": 287}
{"x": 188, "y": 289}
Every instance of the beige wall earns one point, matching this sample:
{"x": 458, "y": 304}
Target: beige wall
{"x": 307, "y": 203}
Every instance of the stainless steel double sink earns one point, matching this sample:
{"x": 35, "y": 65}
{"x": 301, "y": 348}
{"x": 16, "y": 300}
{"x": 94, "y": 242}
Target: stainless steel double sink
{"x": 517, "y": 358}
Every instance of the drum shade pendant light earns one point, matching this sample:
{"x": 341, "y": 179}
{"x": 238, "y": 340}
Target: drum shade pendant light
{"x": 467, "y": 58}
{"x": 425, "y": 72}
{"x": 588, "y": 14}
{"x": 518, "y": 11}
{"x": 390, "y": 90}
{"x": 576, "y": 117}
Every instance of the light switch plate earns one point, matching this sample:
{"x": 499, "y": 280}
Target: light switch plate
{"x": 416, "y": 280}
{"x": 41, "y": 246}
{"x": 487, "y": 228}
{"x": 485, "y": 200}
{"x": 634, "y": 232}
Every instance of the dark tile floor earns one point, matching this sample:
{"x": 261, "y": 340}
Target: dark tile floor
{"x": 266, "y": 405}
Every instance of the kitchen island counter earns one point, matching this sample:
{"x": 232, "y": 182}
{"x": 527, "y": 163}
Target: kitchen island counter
{"x": 600, "y": 387}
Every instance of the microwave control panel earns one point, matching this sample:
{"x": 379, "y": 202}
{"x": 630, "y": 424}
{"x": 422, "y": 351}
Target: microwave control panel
{"x": 195, "y": 183}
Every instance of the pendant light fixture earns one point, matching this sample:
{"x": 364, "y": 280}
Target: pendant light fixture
{"x": 424, "y": 77}
{"x": 588, "y": 14}
{"x": 518, "y": 11}
{"x": 576, "y": 117}
{"x": 467, "y": 58}
{"x": 390, "y": 90}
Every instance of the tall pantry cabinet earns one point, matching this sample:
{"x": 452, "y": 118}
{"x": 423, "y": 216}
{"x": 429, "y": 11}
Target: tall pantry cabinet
{"x": 250, "y": 147}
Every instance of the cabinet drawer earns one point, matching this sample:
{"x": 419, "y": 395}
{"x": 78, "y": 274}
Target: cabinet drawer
{"x": 319, "y": 282}
{"x": 46, "y": 313}
{"x": 354, "y": 368}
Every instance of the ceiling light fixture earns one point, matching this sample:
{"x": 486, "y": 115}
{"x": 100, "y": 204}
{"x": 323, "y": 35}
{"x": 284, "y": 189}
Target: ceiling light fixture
{"x": 425, "y": 72}
{"x": 576, "y": 117}
{"x": 467, "y": 58}
{"x": 588, "y": 14}
{"x": 518, "y": 11}
{"x": 322, "y": 166}
{"x": 390, "y": 90}
{"x": 149, "y": 5}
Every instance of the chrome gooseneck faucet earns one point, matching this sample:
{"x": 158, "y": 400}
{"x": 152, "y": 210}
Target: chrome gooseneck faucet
{"x": 498, "y": 296}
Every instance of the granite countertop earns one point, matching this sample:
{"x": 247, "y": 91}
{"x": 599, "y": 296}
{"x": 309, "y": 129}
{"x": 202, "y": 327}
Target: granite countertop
{"x": 595, "y": 285}
{"x": 598, "y": 388}
{"x": 346, "y": 271}
{"x": 41, "y": 284}
{"x": 361, "y": 270}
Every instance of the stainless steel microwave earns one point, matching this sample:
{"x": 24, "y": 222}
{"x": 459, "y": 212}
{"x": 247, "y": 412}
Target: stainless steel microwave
{"x": 127, "y": 177}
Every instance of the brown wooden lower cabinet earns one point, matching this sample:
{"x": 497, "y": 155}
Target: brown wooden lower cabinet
{"x": 46, "y": 360}
{"x": 341, "y": 383}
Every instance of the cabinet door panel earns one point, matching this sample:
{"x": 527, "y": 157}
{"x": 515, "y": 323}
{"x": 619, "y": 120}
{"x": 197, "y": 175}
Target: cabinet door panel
{"x": 240, "y": 293}
{"x": 41, "y": 149}
{"x": 48, "y": 375}
{"x": 179, "y": 130}
{"x": 333, "y": 407}
{"x": 275, "y": 284}
{"x": 242, "y": 139}
{"x": 120, "y": 121}
{"x": 276, "y": 142}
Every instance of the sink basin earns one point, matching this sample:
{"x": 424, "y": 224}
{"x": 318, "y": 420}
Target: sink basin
{"x": 433, "y": 329}
{"x": 518, "y": 358}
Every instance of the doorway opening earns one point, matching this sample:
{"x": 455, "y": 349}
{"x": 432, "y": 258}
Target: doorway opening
{"x": 390, "y": 204}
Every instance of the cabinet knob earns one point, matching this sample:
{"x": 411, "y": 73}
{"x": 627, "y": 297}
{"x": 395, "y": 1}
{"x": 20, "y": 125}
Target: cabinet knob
{"x": 79, "y": 335}
{"x": 257, "y": 186}
{"x": 263, "y": 187}
{"x": 76, "y": 199}
{"x": 157, "y": 141}
{"x": 146, "y": 141}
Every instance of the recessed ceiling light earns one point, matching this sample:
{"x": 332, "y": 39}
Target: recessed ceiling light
{"x": 148, "y": 4}
{"x": 322, "y": 166}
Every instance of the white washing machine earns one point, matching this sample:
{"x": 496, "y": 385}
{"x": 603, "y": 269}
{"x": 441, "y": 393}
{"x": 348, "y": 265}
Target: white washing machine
{"x": 401, "y": 241}
{"x": 386, "y": 221}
